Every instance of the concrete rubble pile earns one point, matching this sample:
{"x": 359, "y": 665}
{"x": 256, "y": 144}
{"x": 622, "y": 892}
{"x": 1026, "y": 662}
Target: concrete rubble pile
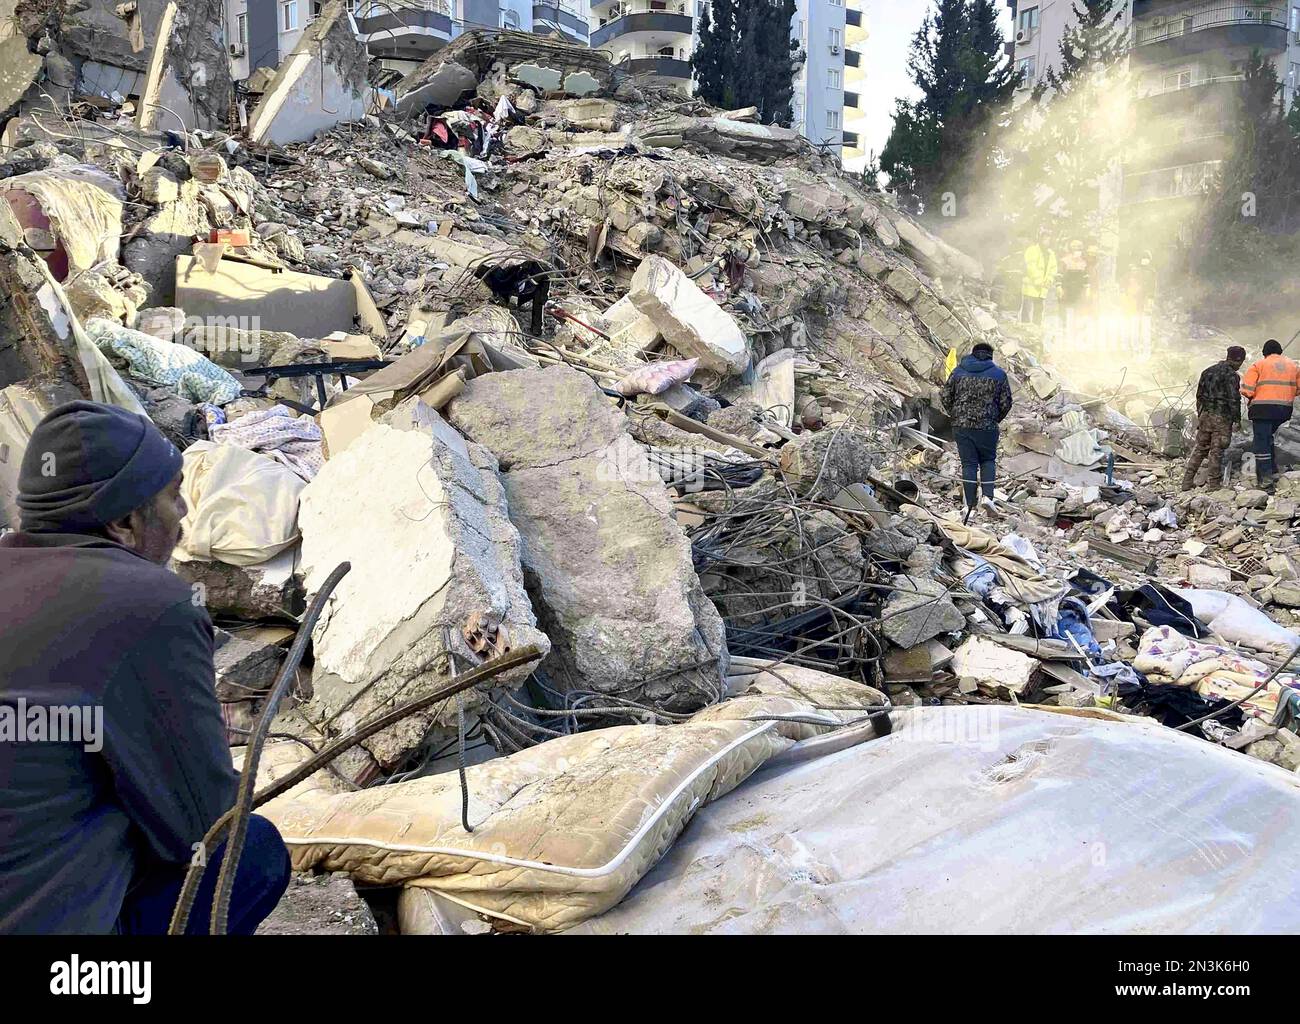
{"x": 554, "y": 359}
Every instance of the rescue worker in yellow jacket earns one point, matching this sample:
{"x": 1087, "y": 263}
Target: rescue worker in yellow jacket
{"x": 1040, "y": 276}
{"x": 1270, "y": 387}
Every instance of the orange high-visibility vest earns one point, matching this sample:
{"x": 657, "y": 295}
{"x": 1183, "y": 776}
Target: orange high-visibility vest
{"x": 1272, "y": 381}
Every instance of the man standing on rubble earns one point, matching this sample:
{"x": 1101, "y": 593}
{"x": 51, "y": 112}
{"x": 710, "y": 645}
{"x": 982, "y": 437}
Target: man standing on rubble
{"x": 1270, "y": 388}
{"x": 977, "y": 399}
{"x": 1218, "y": 414}
{"x": 1040, "y": 276}
{"x": 98, "y": 825}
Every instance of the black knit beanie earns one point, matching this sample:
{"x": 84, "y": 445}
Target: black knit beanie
{"x": 87, "y": 465}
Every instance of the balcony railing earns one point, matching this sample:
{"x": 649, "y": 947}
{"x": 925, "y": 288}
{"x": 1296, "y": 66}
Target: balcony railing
{"x": 1185, "y": 21}
{"x": 647, "y": 21}
{"x": 663, "y": 67}
{"x": 392, "y": 19}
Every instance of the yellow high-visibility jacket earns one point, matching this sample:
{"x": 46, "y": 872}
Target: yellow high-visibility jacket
{"x": 1040, "y": 271}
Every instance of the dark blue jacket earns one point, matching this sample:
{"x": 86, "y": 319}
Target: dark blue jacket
{"x": 977, "y": 395}
{"x": 85, "y": 622}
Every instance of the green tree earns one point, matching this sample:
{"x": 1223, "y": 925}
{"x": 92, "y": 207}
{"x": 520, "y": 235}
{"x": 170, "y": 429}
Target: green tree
{"x": 1079, "y": 122}
{"x": 944, "y": 140}
{"x": 746, "y": 57}
{"x": 1257, "y": 202}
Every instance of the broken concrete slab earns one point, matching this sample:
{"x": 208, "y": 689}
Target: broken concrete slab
{"x": 188, "y": 84}
{"x": 320, "y": 84}
{"x": 421, "y": 514}
{"x": 997, "y": 669}
{"x": 689, "y": 320}
{"x": 918, "y": 610}
{"x": 607, "y": 566}
{"x": 443, "y": 86}
{"x": 821, "y": 463}
{"x": 246, "y": 666}
{"x": 250, "y": 592}
{"x": 581, "y": 83}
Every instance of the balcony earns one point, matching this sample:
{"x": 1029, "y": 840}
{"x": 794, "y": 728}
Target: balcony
{"x": 568, "y": 21}
{"x": 1181, "y": 182}
{"x": 394, "y": 29}
{"x": 852, "y": 58}
{"x": 1218, "y": 92}
{"x": 850, "y": 140}
{"x": 1209, "y": 27}
{"x": 852, "y": 99}
{"x": 1196, "y": 141}
{"x": 661, "y": 67}
{"x": 853, "y": 18}
{"x": 649, "y": 21}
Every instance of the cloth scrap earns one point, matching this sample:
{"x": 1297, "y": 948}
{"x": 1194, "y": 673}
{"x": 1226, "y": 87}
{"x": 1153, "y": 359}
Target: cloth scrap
{"x": 195, "y": 377}
{"x": 278, "y": 433}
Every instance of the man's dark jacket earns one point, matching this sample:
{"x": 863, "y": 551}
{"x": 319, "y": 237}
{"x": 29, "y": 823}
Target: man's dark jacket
{"x": 977, "y": 395}
{"x": 86, "y": 622}
{"x": 1218, "y": 392}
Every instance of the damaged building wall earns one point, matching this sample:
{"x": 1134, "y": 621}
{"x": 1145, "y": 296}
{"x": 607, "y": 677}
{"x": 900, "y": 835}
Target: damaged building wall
{"x": 322, "y": 82}
{"x": 188, "y": 83}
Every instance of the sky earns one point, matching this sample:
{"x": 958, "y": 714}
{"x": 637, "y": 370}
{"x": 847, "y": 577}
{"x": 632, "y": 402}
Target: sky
{"x": 890, "y": 27}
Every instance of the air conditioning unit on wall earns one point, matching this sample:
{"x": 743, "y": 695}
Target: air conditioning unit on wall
{"x": 835, "y": 47}
{"x": 1025, "y": 35}
{"x": 236, "y": 50}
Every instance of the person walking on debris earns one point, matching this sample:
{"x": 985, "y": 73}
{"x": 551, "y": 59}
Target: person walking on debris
{"x": 1074, "y": 281}
{"x": 977, "y": 399}
{"x": 103, "y": 807}
{"x": 1270, "y": 388}
{"x": 1040, "y": 276}
{"x": 1218, "y": 414}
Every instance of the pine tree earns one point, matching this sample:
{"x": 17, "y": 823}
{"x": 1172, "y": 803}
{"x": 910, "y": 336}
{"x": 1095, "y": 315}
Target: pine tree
{"x": 711, "y": 61}
{"x": 944, "y": 139}
{"x": 1081, "y": 113}
{"x": 746, "y": 57}
{"x": 1257, "y": 201}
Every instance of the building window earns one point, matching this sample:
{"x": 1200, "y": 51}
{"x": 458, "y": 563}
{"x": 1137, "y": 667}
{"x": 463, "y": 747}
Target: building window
{"x": 1176, "y": 80}
{"x": 836, "y": 37}
{"x": 1295, "y": 20}
{"x": 509, "y": 19}
{"x": 289, "y": 16}
{"x": 833, "y": 77}
{"x": 833, "y": 120}
{"x": 241, "y": 29}
{"x": 837, "y": 3}
{"x": 1028, "y": 68}
{"x": 1028, "y": 19}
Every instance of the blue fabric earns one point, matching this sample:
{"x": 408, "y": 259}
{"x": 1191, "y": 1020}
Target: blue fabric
{"x": 260, "y": 881}
{"x": 979, "y": 451}
{"x": 1073, "y": 622}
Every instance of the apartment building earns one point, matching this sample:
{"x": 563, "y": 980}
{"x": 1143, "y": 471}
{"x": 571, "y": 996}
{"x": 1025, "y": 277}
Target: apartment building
{"x": 401, "y": 33}
{"x": 1187, "y": 57}
{"x": 654, "y": 39}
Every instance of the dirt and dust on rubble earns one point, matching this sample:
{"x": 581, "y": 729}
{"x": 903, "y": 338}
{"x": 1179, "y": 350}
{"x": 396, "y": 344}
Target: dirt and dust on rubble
{"x": 629, "y": 405}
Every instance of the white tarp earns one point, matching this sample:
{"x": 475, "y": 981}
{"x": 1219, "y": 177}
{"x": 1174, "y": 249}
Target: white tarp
{"x": 988, "y": 820}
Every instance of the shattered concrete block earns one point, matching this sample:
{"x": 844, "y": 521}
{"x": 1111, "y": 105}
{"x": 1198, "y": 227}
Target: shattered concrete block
{"x": 919, "y": 610}
{"x": 903, "y": 283}
{"x": 822, "y": 463}
{"x": 421, "y": 515}
{"x": 1208, "y": 577}
{"x": 244, "y": 667}
{"x": 1252, "y": 499}
{"x": 320, "y": 84}
{"x": 1287, "y": 594}
{"x": 607, "y": 566}
{"x": 689, "y": 320}
{"x": 441, "y": 86}
{"x": 249, "y": 592}
{"x": 998, "y": 670}
{"x": 19, "y": 69}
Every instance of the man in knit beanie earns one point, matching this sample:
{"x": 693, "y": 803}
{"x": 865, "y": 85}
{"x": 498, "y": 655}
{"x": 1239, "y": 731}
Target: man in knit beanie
{"x": 113, "y": 753}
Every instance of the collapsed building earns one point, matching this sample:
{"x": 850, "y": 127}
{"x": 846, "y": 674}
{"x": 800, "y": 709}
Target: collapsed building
{"x": 644, "y": 389}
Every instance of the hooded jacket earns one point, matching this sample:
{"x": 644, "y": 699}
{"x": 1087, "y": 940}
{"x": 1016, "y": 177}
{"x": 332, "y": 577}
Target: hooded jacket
{"x": 977, "y": 395}
{"x": 87, "y": 623}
